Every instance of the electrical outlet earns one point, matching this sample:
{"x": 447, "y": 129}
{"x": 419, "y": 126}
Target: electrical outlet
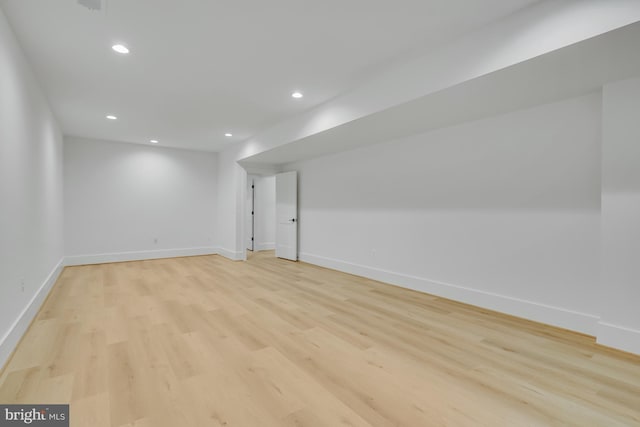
{"x": 21, "y": 284}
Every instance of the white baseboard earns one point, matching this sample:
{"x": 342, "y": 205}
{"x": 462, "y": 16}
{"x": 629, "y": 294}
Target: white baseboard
{"x": 269, "y": 246}
{"x": 9, "y": 342}
{"x": 556, "y": 316}
{"x": 232, "y": 255}
{"x": 618, "y": 337}
{"x": 137, "y": 256}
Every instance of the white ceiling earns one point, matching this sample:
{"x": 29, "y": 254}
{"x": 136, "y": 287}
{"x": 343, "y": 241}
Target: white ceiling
{"x": 200, "y": 68}
{"x": 572, "y": 71}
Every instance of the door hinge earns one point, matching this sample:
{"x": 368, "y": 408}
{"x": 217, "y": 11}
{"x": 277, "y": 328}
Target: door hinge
{"x": 251, "y": 212}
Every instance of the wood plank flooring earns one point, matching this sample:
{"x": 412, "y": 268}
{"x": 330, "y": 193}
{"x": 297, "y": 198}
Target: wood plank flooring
{"x": 204, "y": 341}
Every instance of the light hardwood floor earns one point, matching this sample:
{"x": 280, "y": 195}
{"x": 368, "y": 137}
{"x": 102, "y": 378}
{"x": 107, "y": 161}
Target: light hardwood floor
{"x": 204, "y": 341}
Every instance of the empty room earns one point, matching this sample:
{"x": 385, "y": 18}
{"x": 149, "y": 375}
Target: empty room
{"x": 319, "y": 213}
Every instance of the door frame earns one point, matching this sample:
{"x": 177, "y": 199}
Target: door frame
{"x": 251, "y": 186}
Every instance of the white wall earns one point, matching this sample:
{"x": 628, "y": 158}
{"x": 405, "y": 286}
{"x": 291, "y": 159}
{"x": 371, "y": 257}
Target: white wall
{"x": 502, "y": 213}
{"x": 120, "y": 198}
{"x": 265, "y": 213}
{"x": 232, "y": 191}
{"x": 31, "y": 213}
{"x": 531, "y": 32}
{"x": 620, "y": 292}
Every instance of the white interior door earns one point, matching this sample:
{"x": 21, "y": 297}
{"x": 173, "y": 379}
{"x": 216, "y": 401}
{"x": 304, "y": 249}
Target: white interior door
{"x": 287, "y": 215}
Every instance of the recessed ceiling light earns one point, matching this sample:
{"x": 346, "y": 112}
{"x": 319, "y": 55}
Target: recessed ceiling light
{"x": 228, "y": 134}
{"x": 296, "y": 95}
{"x": 110, "y": 117}
{"x": 153, "y": 141}
{"x": 120, "y": 48}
